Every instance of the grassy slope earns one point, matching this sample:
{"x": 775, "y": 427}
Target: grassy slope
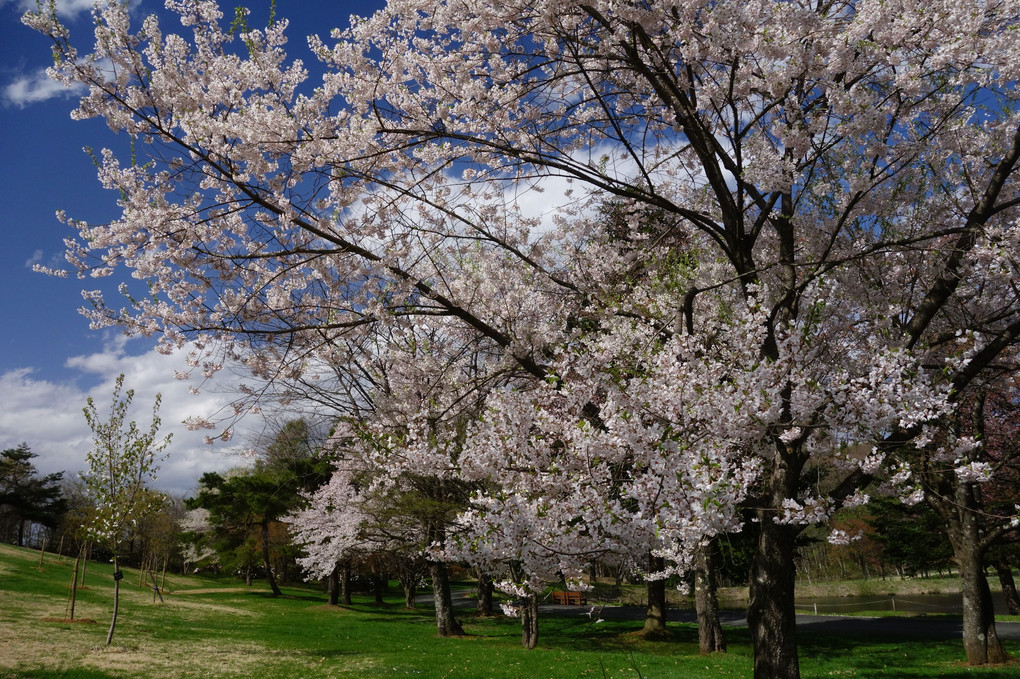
{"x": 216, "y": 628}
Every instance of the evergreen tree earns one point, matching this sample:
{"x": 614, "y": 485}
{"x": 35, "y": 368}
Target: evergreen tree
{"x": 25, "y": 495}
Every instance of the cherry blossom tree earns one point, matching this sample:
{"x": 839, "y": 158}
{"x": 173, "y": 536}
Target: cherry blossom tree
{"x": 831, "y": 261}
{"x": 958, "y": 479}
{"x": 330, "y": 528}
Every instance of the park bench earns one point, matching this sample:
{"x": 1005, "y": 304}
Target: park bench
{"x": 568, "y": 598}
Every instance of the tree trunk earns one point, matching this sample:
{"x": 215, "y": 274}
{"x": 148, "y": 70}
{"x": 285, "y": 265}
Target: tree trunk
{"x": 345, "y": 583}
{"x": 379, "y": 585}
{"x": 87, "y": 553}
{"x": 771, "y": 617}
{"x": 706, "y": 600}
{"x": 980, "y": 640}
{"x": 529, "y": 621}
{"x": 445, "y": 622}
{"x": 74, "y": 587}
{"x": 333, "y": 585}
{"x": 265, "y": 559}
{"x": 1005, "y": 573}
{"x": 655, "y": 615}
{"x": 770, "y": 611}
{"x": 410, "y": 586}
{"x": 484, "y": 596}
{"x": 116, "y": 599}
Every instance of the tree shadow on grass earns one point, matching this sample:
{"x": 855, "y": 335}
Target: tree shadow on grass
{"x": 881, "y": 654}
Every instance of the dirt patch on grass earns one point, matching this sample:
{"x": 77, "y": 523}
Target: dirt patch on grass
{"x": 47, "y": 647}
{"x": 179, "y": 660}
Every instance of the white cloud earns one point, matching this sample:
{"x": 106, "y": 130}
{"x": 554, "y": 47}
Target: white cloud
{"x": 36, "y": 87}
{"x": 39, "y": 258}
{"x": 65, "y": 8}
{"x": 48, "y": 415}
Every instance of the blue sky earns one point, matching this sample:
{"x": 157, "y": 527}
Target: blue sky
{"x": 50, "y": 360}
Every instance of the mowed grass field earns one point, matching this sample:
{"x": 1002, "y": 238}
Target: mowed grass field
{"x": 217, "y": 627}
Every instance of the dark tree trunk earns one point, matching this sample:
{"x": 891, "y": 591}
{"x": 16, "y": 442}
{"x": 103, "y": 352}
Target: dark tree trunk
{"x": 980, "y": 640}
{"x": 655, "y": 615}
{"x": 445, "y": 622}
{"x": 379, "y": 586}
{"x": 1005, "y": 573}
{"x": 116, "y": 600}
{"x": 410, "y": 587}
{"x": 706, "y": 600}
{"x": 771, "y": 618}
{"x": 770, "y": 612}
{"x": 484, "y": 596}
{"x": 529, "y": 621}
{"x": 21, "y": 533}
{"x": 265, "y": 560}
{"x": 333, "y": 585}
{"x": 74, "y": 586}
{"x": 345, "y": 583}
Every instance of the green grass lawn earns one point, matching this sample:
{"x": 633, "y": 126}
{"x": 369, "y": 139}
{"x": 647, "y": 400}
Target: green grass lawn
{"x": 216, "y": 627}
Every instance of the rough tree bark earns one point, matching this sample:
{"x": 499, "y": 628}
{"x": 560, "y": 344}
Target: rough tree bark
{"x": 655, "y": 615}
{"x": 770, "y": 611}
{"x": 980, "y": 639}
{"x": 445, "y": 622}
{"x": 484, "y": 595}
{"x": 265, "y": 559}
{"x": 379, "y": 585}
{"x": 410, "y": 586}
{"x": 333, "y": 585}
{"x": 1005, "y": 573}
{"x": 345, "y": 583}
{"x": 970, "y": 543}
{"x": 529, "y": 621}
{"x": 706, "y": 600}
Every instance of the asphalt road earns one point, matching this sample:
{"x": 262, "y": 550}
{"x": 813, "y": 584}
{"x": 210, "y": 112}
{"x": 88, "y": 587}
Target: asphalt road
{"x": 919, "y": 626}
{"x": 934, "y": 627}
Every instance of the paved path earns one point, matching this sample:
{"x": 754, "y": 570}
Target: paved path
{"x": 936, "y": 627}
{"x": 940, "y": 627}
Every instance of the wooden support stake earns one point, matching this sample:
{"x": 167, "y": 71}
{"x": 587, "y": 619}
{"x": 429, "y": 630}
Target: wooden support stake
{"x": 155, "y": 589}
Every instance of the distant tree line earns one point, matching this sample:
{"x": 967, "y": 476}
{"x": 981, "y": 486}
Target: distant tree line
{"x": 27, "y": 498}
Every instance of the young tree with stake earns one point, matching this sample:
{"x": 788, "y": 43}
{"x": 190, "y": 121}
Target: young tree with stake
{"x": 123, "y": 459}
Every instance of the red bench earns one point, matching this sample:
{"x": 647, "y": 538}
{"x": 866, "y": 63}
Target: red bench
{"x": 568, "y": 598}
